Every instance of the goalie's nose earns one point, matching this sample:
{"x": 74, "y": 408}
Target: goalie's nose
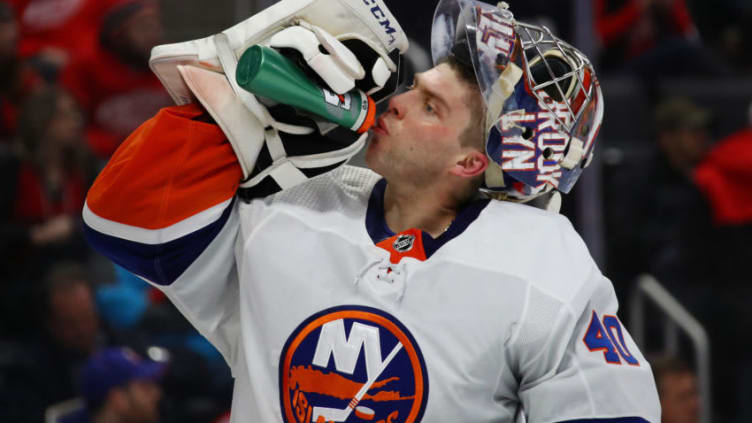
{"x": 397, "y": 106}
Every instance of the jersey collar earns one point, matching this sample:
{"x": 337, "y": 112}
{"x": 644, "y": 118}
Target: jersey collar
{"x": 413, "y": 242}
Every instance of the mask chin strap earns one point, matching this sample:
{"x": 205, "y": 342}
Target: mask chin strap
{"x": 501, "y": 91}
{"x": 575, "y": 153}
{"x": 494, "y": 176}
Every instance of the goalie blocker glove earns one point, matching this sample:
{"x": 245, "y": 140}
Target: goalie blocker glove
{"x": 340, "y": 44}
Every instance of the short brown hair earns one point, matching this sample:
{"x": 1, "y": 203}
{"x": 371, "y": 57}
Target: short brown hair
{"x": 472, "y": 136}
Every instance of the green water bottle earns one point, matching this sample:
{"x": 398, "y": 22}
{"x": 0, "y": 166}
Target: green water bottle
{"x": 265, "y": 72}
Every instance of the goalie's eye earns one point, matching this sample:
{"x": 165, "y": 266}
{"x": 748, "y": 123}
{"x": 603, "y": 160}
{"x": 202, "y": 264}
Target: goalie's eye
{"x": 411, "y": 85}
{"x": 428, "y": 107}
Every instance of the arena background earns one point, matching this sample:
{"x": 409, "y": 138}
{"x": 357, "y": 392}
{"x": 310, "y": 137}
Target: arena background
{"x": 669, "y": 195}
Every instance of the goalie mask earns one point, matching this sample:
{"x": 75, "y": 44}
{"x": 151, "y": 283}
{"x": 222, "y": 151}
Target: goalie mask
{"x": 543, "y": 103}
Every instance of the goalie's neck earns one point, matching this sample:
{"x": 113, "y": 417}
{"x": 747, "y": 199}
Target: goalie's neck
{"x": 447, "y": 224}
{"x": 427, "y": 209}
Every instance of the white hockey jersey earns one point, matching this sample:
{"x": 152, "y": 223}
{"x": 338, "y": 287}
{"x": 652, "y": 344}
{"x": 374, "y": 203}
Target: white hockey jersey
{"x": 325, "y": 315}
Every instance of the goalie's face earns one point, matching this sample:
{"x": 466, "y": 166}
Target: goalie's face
{"x": 418, "y": 140}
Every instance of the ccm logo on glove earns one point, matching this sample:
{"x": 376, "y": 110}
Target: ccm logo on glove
{"x": 379, "y": 14}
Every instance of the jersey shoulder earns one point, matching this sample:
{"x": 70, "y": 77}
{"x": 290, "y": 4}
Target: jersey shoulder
{"x": 335, "y": 190}
{"x": 333, "y": 202}
{"x": 539, "y": 247}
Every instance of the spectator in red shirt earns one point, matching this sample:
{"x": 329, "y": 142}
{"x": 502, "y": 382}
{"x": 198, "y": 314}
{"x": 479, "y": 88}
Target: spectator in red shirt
{"x": 44, "y": 188}
{"x": 635, "y": 26}
{"x": 16, "y": 79}
{"x": 652, "y": 37}
{"x": 54, "y": 32}
{"x": 52, "y": 180}
{"x": 114, "y": 85}
{"x": 725, "y": 177}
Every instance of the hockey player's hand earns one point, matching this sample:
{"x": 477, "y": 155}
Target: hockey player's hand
{"x": 277, "y": 146}
{"x": 368, "y": 29}
{"x": 343, "y": 43}
{"x": 342, "y": 65}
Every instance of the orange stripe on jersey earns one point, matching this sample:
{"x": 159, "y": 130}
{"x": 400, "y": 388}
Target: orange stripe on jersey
{"x": 169, "y": 169}
{"x": 407, "y": 243}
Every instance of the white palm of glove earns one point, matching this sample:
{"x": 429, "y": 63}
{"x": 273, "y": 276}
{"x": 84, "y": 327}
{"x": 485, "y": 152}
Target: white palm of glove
{"x": 339, "y": 68}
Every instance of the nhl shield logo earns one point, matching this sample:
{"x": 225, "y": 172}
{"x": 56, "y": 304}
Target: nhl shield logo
{"x": 350, "y": 364}
{"x": 404, "y": 243}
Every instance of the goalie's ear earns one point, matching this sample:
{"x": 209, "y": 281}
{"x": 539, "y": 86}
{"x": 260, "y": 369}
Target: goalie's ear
{"x": 470, "y": 164}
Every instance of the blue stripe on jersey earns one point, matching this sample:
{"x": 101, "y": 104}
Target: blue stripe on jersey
{"x": 612, "y": 420}
{"x": 160, "y": 263}
{"x": 379, "y": 230}
{"x": 375, "y": 221}
{"x": 464, "y": 218}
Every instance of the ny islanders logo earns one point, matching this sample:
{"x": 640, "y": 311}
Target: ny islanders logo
{"x": 352, "y": 364}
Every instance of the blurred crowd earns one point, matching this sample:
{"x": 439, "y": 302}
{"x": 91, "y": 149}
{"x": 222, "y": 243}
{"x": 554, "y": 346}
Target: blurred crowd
{"x": 83, "y": 340}
{"x": 80, "y": 338}
{"x": 678, "y": 194}
{"x": 678, "y": 191}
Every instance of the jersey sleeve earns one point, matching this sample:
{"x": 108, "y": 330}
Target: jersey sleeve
{"x": 576, "y": 362}
{"x": 164, "y": 209}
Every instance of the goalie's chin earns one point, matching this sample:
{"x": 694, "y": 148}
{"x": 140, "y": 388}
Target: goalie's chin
{"x": 379, "y": 139}
{"x": 372, "y": 151}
